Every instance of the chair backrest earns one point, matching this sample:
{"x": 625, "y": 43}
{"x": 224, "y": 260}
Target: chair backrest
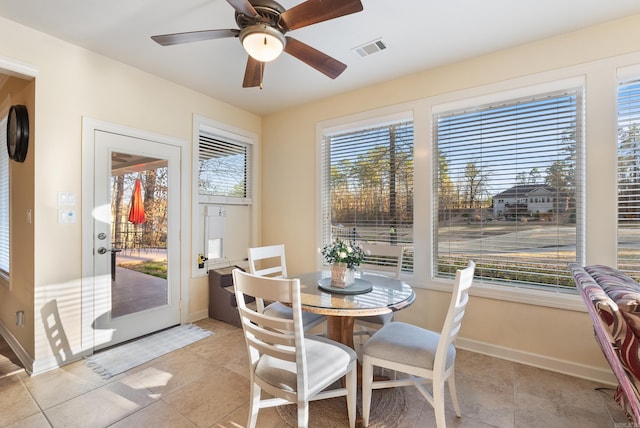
{"x": 453, "y": 320}
{"x": 277, "y": 337}
{"x": 267, "y": 261}
{"x": 382, "y": 258}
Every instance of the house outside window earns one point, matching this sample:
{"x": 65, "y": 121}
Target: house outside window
{"x": 367, "y": 186}
{"x": 508, "y": 190}
{"x": 628, "y": 177}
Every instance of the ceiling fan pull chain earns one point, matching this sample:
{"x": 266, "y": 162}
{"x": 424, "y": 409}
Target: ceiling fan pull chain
{"x": 262, "y": 70}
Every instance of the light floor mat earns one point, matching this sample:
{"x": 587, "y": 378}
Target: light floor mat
{"x": 121, "y": 358}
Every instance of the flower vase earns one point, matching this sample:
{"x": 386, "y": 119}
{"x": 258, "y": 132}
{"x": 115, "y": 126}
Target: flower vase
{"x": 341, "y": 275}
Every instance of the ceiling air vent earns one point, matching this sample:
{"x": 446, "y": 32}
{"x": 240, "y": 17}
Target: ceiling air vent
{"x": 369, "y": 48}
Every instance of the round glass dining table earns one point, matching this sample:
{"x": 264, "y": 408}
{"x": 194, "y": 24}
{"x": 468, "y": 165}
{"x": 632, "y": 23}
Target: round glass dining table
{"x": 370, "y": 295}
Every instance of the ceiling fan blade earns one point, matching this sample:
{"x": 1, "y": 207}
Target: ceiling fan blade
{"x": 243, "y": 6}
{"x": 193, "y": 36}
{"x": 314, "y": 11}
{"x": 314, "y": 58}
{"x": 253, "y": 73}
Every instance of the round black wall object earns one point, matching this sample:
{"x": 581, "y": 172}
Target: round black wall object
{"x": 18, "y": 133}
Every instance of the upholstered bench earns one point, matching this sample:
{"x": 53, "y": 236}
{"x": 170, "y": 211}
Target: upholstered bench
{"x": 613, "y": 302}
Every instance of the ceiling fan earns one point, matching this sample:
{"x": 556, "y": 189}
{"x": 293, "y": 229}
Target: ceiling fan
{"x": 263, "y": 25}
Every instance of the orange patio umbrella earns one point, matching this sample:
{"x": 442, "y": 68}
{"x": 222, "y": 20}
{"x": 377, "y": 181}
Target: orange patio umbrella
{"x": 136, "y": 211}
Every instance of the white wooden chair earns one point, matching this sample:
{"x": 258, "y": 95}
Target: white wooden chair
{"x": 270, "y": 261}
{"x": 425, "y": 356}
{"x": 290, "y": 367}
{"x": 380, "y": 259}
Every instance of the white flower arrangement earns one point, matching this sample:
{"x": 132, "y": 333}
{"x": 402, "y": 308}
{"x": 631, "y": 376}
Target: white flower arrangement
{"x": 342, "y": 252}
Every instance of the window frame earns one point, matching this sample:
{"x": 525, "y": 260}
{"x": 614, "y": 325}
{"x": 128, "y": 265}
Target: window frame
{"x": 626, "y": 76}
{"x": 353, "y": 123}
{"x": 204, "y": 204}
{"x": 232, "y": 136}
{"x": 494, "y": 109}
{"x": 487, "y": 94}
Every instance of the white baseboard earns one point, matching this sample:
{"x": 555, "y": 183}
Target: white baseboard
{"x": 16, "y": 347}
{"x": 199, "y": 315}
{"x": 46, "y": 364}
{"x": 596, "y": 374}
{"x": 50, "y": 363}
{"x": 32, "y": 366}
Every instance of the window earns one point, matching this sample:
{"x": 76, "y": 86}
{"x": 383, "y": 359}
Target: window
{"x": 224, "y": 167}
{"x": 492, "y": 164}
{"x": 4, "y": 202}
{"x": 367, "y": 186}
{"x": 629, "y": 177}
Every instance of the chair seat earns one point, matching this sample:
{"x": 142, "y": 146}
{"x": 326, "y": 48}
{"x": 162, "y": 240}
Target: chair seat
{"x": 406, "y": 344}
{"x": 325, "y": 358}
{"x": 277, "y": 309}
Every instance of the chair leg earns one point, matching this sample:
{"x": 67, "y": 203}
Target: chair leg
{"x": 438, "y": 402}
{"x": 352, "y": 388}
{"x": 254, "y": 405}
{"x": 454, "y": 396}
{"x": 303, "y": 414}
{"x": 367, "y": 379}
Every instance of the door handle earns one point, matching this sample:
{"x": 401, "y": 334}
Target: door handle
{"x": 103, "y": 250}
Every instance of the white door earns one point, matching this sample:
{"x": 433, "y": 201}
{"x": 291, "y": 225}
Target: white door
{"x": 128, "y": 301}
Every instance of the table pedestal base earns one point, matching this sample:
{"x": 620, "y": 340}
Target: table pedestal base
{"x": 340, "y": 329}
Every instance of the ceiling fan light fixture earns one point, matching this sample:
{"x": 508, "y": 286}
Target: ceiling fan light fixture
{"x": 262, "y": 42}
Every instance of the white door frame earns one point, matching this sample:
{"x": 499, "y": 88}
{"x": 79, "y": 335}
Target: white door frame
{"x": 89, "y": 128}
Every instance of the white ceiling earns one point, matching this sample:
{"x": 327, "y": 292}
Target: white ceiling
{"x": 420, "y": 34}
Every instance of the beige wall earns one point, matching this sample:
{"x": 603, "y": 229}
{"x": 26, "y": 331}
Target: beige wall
{"x": 538, "y": 334}
{"x": 73, "y": 83}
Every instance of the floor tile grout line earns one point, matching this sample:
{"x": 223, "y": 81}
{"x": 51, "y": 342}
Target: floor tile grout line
{"x": 42, "y": 411}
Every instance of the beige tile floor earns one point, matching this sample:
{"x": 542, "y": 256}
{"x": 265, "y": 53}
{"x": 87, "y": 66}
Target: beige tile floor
{"x": 206, "y": 385}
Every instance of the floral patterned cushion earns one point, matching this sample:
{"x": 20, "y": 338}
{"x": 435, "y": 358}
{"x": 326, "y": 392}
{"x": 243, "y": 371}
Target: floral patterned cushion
{"x": 625, "y": 292}
{"x": 615, "y": 298}
{"x": 605, "y": 307}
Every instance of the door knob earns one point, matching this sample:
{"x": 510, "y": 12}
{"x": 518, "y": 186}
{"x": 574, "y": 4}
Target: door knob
{"x": 102, "y": 250}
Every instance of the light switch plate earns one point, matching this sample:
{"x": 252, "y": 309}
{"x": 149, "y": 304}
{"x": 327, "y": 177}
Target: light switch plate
{"x": 66, "y": 198}
{"x": 66, "y": 216}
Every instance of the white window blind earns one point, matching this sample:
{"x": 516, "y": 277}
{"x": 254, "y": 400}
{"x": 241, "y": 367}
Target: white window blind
{"x": 4, "y": 201}
{"x": 629, "y": 177}
{"x": 224, "y": 167}
{"x": 367, "y": 187}
{"x": 508, "y": 190}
